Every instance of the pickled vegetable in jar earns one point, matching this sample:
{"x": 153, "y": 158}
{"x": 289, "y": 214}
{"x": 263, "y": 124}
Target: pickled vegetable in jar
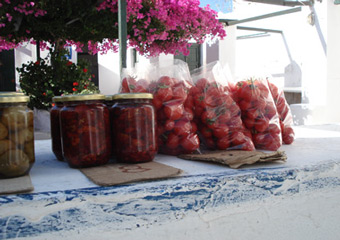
{"x": 55, "y": 127}
{"x": 134, "y": 127}
{"x": 85, "y": 130}
{"x": 16, "y": 136}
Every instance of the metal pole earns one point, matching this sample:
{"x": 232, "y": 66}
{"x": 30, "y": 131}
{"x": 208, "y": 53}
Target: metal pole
{"x": 38, "y": 50}
{"x": 274, "y": 14}
{"x": 122, "y": 33}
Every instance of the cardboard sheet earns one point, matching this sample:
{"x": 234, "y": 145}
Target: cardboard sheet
{"x": 236, "y": 158}
{"x": 16, "y": 185}
{"x": 114, "y": 174}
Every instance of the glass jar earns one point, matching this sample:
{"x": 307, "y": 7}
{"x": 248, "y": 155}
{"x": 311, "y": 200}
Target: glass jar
{"x": 55, "y": 127}
{"x": 85, "y": 130}
{"x": 16, "y": 136}
{"x": 134, "y": 127}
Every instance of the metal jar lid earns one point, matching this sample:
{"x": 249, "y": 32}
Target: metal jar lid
{"x": 14, "y": 99}
{"x": 12, "y": 93}
{"x": 82, "y": 97}
{"x": 58, "y": 99}
{"x": 132, "y": 96}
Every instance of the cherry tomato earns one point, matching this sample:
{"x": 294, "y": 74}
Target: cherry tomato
{"x": 172, "y": 141}
{"x": 165, "y": 81}
{"x": 221, "y": 131}
{"x": 190, "y": 143}
{"x": 173, "y": 110}
{"x": 206, "y": 132}
{"x": 179, "y": 92}
{"x": 164, "y": 93}
{"x": 223, "y": 143}
{"x": 182, "y": 128}
{"x": 261, "y": 124}
{"x": 169, "y": 125}
{"x": 202, "y": 84}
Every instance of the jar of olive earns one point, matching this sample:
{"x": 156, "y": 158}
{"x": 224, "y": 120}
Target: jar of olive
{"x": 16, "y": 136}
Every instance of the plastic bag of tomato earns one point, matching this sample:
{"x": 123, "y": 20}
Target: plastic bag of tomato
{"x": 170, "y": 84}
{"x": 176, "y": 129}
{"x": 259, "y": 112}
{"x": 285, "y": 115}
{"x": 217, "y": 115}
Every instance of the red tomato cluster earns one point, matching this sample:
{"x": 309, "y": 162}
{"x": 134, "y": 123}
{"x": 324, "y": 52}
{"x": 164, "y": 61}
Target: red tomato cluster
{"x": 259, "y": 113}
{"x": 134, "y": 136}
{"x": 131, "y": 85}
{"x": 175, "y": 127}
{"x": 218, "y": 117}
{"x": 85, "y": 131}
{"x": 286, "y": 118}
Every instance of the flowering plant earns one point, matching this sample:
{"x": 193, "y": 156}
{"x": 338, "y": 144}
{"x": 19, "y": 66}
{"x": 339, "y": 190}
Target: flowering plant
{"x": 54, "y": 76}
{"x": 153, "y": 26}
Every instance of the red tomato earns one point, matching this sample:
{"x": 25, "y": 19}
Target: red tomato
{"x": 190, "y": 143}
{"x": 189, "y": 102}
{"x": 223, "y": 143}
{"x": 172, "y": 141}
{"x": 221, "y": 131}
{"x": 244, "y": 105}
{"x": 224, "y": 118}
{"x": 261, "y": 85}
{"x": 164, "y": 94}
{"x": 261, "y": 124}
{"x": 169, "y": 125}
{"x": 238, "y": 138}
{"x": 288, "y": 135}
{"x": 274, "y": 129}
{"x": 193, "y": 127}
{"x": 244, "y": 91}
{"x": 198, "y": 111}
{"x": 206, "y": 132}
{"x": 235, "y": 122}
{"x": 188, "y": 114}
{"x": 157, "y": 103}
{"x": 249, "y": 123}
{"x": 202, "y": 84}
{"x": 208, "y": 117}
{"x": 173, "y": 110}
{"x": 210, "y": 143}
{"x": 182, "y": 128}
{"x": 253, "y": 113}
{"x": 165, "y": 81}
{"x": 179, "y": 92}
{"x": 129, "y": 83}
{"x": 270, "y": 110}
{"x": 199, "y": 100}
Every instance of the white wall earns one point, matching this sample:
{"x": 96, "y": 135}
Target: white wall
{"x": 333, "y": 59}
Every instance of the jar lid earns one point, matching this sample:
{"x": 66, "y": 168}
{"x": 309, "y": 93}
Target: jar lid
{"x": 12, "y": 93}
{"x": 57, "y": 99}
{"x": 109, "y": 97}
{"x": 14, "y": 99}
{"x": 133, "y": 96}
{"x": 82, "y": 97}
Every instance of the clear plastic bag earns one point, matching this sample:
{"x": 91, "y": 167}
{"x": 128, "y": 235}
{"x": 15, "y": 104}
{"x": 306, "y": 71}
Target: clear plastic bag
{"x": 170, "y": 85}
{"x": 259, "y": 112}
{"x": 285, "y": 115}
{"x": 217, "y": 115}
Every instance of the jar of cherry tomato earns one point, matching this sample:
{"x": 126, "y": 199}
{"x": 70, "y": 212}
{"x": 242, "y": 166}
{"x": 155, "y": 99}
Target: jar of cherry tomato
{"x": 55, "y": 127}
{"x": 16, "y": 136}
{"x": 134, "y": 127}
{"x": 85, "y": 130}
